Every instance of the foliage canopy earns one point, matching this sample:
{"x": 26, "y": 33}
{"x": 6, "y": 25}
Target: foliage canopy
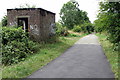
{"x": 109, "y": 20}
{"x": 71, "y": 15}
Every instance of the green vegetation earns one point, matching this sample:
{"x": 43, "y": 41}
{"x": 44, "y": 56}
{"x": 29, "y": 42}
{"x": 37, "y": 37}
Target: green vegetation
{"x": 71, "y": 15}
{"x": 16, "y": 45}
{"x": 4, "y": 21}
{"x": 21, "y": 56}
{"x": 0, "y": 24}
{"x": 86, "y": 28}
{"x": 47, "y": 53}
{"x": 112, "y": 56}
{"x": 60, "y": 30}
{"x": 77, "y": 28}
{"x": 109, "y": 21}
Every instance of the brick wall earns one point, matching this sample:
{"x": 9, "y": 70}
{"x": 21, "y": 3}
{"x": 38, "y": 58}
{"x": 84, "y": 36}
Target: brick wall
{"x": 40, "y": 21}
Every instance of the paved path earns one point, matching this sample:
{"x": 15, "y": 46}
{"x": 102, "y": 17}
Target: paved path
{"x": 85, "y": 59}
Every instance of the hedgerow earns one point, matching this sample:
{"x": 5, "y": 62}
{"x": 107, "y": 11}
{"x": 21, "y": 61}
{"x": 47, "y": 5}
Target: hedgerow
{"x": 16, "y": 45}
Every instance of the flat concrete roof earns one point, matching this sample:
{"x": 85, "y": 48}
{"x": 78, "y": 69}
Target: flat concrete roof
{"x": 30, "y": 9}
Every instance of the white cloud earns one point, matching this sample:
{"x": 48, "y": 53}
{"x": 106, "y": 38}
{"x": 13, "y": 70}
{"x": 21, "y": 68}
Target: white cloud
{"x": 91, "y": 6}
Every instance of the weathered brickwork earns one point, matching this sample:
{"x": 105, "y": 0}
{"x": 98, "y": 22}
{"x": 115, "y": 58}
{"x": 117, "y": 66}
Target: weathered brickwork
{"x": 40, "y": 23}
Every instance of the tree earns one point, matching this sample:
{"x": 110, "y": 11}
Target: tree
{"x": 109, "y": 20}
{"x": 101, "y": 23}
{"x": 71, "y": 15}
{"x": 87, "y": 27}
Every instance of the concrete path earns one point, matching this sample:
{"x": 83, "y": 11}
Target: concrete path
{"x": 85, "y": 59}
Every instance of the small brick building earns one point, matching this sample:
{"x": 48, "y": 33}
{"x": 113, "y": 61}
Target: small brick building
{"x": 38, "y": 22}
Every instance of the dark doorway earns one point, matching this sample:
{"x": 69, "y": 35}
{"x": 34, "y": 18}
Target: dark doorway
{"x": 24, "y": 23}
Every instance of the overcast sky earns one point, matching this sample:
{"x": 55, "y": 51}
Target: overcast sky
{"x": 90, "y": 6}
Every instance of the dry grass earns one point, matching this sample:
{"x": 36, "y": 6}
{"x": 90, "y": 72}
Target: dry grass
{"x": 76, "y": 33}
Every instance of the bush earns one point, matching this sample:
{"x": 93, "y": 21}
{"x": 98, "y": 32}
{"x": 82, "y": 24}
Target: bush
{"x": 10, "y": 33}
{"x": 73, "y": 35}
{"x": 87, "y": 28}
{"x": 4, "y": 21}
{"x": 77, "y": 29}
{"x": 60, "y": 30}
{"x": 16, "y": 45}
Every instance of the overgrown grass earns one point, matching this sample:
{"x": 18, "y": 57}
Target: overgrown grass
{"x": 0, "y": 51}
{"x": 47, "y": 53}
{"x": 112, "y": 56}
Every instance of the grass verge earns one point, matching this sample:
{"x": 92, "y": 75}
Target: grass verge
{"x": 0, "y": 51}
{"x": 112, "y": 56}
{"x": 47, "y": 53}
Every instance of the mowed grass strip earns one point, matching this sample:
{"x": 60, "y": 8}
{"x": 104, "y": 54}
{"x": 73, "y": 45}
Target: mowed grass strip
{"x": 112, "y": 56}
{"x": 47, "y": 53}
